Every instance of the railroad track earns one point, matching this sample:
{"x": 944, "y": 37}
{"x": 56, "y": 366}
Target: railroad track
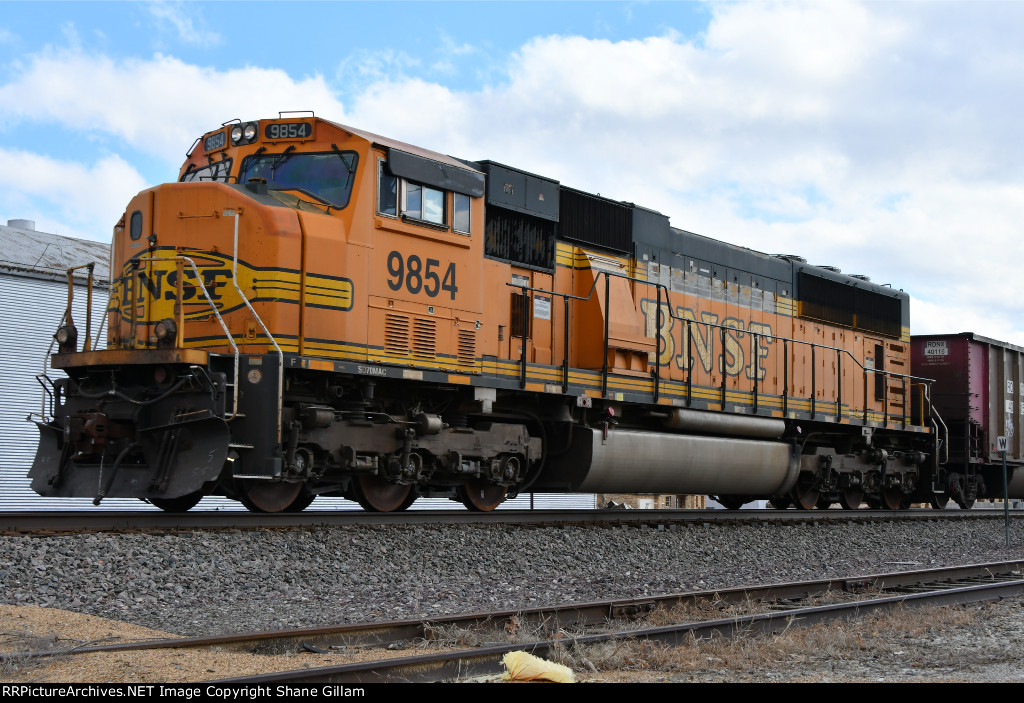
{"x": 54, "y": 523}
{"x": 778, "y": 606}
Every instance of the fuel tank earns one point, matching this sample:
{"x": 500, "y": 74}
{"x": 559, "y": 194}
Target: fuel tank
{"x": 632, "y": 461}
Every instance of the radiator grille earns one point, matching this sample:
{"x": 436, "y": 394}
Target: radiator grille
{"x": 396, "y": 333}
{"x": 424, "y": 339}
{"x": 467, "y": 348}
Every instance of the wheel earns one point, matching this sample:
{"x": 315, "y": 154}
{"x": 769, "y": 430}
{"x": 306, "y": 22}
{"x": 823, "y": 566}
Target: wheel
{"x": 892, "y": 498}
{"x": 851, "y": 498}
{"x": 413, "y": 495}
{"x": 959, "y": 496}
{"x": 480, "y": 496}
{"x": 730, "y": 502}
{"x": 805, "y": 497}
{"x": 302, "y": 501}
{"x": 379, "y": 496}
{"x": 178, "y": 505}
{"x": 268, "y": 496}
{"x": 940, "y": 500}
{"x": 780, "y": 502}
{"x": 964, "y": 503}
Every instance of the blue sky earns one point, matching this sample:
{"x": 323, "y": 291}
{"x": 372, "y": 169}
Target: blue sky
{"x": 879, "y": 137}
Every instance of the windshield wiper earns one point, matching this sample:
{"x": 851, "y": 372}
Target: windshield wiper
{"x": 285, "y": 155}
{"x": 345, "y": 159}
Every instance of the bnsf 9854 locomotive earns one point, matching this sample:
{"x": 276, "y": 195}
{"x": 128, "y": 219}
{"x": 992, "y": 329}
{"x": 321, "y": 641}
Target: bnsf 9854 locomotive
{"x": 315, "y": 310}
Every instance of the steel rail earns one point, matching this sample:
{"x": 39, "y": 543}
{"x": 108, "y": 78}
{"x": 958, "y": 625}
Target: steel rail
{"x": 557, "y": 618}
{"x": 73, "y": 522}
{"x": 487, "y": 661}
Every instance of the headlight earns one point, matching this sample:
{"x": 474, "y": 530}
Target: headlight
{"x": 249, "y": 132}
{"x": 165, "y": 331}
{"x": 236, "y": 135}
{"x": 67, "y": 339}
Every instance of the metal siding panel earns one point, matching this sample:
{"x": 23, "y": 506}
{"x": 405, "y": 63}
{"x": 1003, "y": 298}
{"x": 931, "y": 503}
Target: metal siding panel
{"x": 1017, "y": 444}
{"x": 994, "y": 396}
{"x": 26, "y": 339}
{"x": 977, "y": 382}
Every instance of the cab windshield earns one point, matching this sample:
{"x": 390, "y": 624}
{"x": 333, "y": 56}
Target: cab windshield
{"x": 214, "y": 172}
{"x": 327, "y": 177}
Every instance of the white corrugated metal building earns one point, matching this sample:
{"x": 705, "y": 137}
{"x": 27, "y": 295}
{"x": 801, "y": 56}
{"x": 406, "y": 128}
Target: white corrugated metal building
{"x": 33, "y": 298}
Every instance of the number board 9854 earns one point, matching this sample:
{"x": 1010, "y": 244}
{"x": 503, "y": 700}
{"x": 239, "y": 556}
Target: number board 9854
{"x": 288, "y": 130}
{"x": 415, "y": 275}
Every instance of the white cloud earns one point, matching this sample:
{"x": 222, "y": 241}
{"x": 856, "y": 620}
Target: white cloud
{"x": 362, "y": 68}
{"x": 66, "y": 197}
{"x": 866, "y": 136}
{"x": 158, "y": 106}
{"x": 877, "y": 137}
{"x": 183, "y": 18}
{"x": 449, "y": 46}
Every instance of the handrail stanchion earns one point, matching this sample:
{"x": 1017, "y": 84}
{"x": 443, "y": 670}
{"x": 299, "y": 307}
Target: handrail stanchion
{"x": 88, "y": 310}
{"x": 885, "y": 398}
{"x": 754, "y": 359}
{"x": 565, "y": 344}
{"x": 689, "y": 362}
{"x": 866, "y": 394}
{"x": 607, "y": 317}
{"x": 179, "y": 305}
{"x": 839, "y": 385}
{"x": 721, "y": 357}
{"x": 785, "y": 376}
{"x": 814, "y": 383}
{"x": 657, "y": 346}
{"x": 277, "y": 348}
{"x": 526, "y": 334}
{"x": 904, "y": 413}
{"x": 134, "y": 303}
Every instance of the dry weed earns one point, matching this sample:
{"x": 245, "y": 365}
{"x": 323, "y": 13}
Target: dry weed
{"x": 822, "y": 642}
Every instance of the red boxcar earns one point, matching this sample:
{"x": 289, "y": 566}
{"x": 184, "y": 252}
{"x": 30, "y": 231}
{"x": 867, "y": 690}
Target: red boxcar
{"x": 979, "y": 392}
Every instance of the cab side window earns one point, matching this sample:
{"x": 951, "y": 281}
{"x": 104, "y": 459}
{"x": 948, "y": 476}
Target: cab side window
{"x": 460, "y": 218}
{"x": 419, "y": 203}
{"x": 387, "y": 190}
{"x": 424, "y": 203}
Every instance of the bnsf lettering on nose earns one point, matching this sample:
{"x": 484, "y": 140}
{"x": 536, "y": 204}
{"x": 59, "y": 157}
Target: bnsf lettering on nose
{"x": 164, "y": 284}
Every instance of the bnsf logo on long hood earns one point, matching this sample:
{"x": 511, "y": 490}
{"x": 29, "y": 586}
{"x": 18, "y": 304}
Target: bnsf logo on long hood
{"x": 154, "y": 285}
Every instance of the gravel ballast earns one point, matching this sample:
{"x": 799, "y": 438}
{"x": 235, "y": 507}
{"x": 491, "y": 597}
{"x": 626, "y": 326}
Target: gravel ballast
{"x": 205, "y": 583}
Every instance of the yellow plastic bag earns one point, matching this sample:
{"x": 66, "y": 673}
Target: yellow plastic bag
{"x": 520, "y": 666}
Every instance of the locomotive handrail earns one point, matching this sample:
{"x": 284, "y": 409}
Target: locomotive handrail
{"x": 755, "y": 337}
{"x": 46, "y": 392}
{"x": 180, "y": 314}
{"x": 46, "y": 364}
{"x": 67, "y": 319}
{"x": 180, "y": 310}
{"x": 280, "y": 354}
{"x": 87, "y": 345}
{"x": 926, "y": 393}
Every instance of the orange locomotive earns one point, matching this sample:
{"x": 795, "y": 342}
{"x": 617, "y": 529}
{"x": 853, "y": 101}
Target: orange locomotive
{"x": 316, "y": 310}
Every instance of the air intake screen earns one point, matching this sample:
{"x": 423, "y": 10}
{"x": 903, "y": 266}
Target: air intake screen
{"x": 519, "y": 238}
{"x": 597, "y": 221}
{"x": 842, "y": 304}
